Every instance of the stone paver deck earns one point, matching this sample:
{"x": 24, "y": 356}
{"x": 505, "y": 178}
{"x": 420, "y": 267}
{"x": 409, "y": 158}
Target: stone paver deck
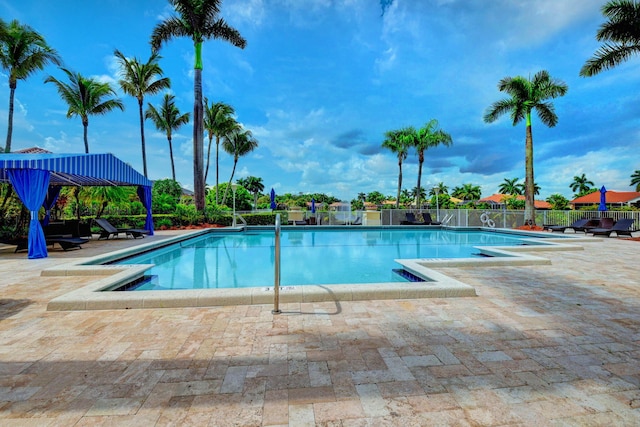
{"x": 540, "y": 345}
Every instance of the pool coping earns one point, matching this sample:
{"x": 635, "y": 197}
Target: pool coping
{"x": 438, "y": 285}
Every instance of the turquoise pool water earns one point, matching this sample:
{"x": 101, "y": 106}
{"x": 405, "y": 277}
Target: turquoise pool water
{"x": 319, "y": 256}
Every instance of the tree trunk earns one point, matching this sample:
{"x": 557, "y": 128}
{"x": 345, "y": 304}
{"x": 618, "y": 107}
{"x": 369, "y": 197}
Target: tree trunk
{"x": 206, "y": 168}
{"x": 85, "y": 125}
{"x": 198, "y": 148}
{"x": 7, "y": 148}
{"x": 420, "y": 162}
{"x": 144, "y": 151}
{"x": 529, "y": 205}
{"x": 217, "y": 162}
{"x": 173, "y": 168}
{"x": 399, "y": 183}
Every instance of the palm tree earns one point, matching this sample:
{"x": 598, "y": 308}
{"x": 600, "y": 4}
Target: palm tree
{"x": 253, "y": 185}
{"x": 525, "y": 96}
{"x": 22, "y": 52}
{"x": 581, "y": 184}
{"x": 467, "y": 192}
{"x": 84, "y": 96}
{"x": 418, "y": 193}
{"x": 238, "y": 143}
{"x": 199, "y": 20}
{"x": 139, "y": 79}
{"x": 620, "y": 34}
{"x": 427, "y": 137}
{"x": 167, "y": 120}
{"x": 396, "y": 141}
{"x": 635, "y": 180}
{"x": 511, "y": 187}
{"x": 103, "y": 195}
{"x": 218, "y": 121}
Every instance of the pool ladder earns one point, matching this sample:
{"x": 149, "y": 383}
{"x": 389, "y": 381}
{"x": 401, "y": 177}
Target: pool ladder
{"x": 276, "y": 285}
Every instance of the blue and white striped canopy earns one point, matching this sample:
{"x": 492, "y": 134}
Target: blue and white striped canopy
{"x": 76, "y": 169}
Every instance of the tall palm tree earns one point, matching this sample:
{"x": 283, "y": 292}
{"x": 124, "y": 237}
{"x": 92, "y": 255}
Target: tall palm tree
{"x": 137, "y": 80}
{"x": 254, "y": 185}
{"x": 511, "y": 187}
{"x": 218, "y": 122}
{"x": 581, "y": 184}
{"x": 238, "y": 143}
{"x": 85, "y": 97}
{"x": 397, "y": 142}
{"x": 199, "y": 20}
{"x": 635, "y": 179}
{"x": 167, "y": 120}
{"x": 22, "y": 52}
{"x": 428, "y": 136}
{"x": 620, "y": 34}
{"x": 527, "y": 95}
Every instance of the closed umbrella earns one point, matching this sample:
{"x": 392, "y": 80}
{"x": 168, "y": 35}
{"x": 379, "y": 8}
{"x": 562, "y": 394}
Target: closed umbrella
{"x": 603, "y": 199}
{"x": 313, "y": 205}
{"x": 273, "y": 199}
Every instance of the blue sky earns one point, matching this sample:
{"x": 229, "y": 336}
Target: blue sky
{"x": 321, "y": 81}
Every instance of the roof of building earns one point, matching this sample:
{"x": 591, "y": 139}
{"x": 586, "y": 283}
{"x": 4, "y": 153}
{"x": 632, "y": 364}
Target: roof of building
{"x": 499, "y": 200}
{"x": 611, "y": 195}
{"x": 33, "y": 150}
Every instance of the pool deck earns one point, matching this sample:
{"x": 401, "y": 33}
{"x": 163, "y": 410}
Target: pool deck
{"x": 554, "y": 344}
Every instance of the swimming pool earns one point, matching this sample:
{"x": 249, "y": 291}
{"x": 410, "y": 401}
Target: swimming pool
{"x": 319, "y": 256}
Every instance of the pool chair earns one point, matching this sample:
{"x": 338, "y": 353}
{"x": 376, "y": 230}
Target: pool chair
{"x": 561, "y": 228}
{"x": 621, "y": 227}
{"x": 66, "y": 243}
{"x": 591, "y": 223}
{"x": 107, "y": 230}
{"x": 428, "y": 220}
{"x": 410, "y": 219}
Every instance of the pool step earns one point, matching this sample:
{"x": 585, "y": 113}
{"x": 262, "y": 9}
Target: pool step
{"x": 408, "y": 275}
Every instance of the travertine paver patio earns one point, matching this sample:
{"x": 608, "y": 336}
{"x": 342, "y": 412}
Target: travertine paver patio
{"x": 540, "y": 345}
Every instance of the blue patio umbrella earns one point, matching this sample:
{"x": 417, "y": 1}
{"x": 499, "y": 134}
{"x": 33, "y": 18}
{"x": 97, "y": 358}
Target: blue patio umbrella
{"x": 313, "y": 205}
{"x": 603, "y": 199}
{"x": 273, "y": 199}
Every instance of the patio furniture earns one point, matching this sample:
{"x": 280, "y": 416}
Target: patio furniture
{"x": 621, "y": 227}
{"x": 108, "y": 230}
{"x": 561, "y": 228}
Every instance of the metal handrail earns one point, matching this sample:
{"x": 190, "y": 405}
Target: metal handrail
{"x": 276, "y": 285}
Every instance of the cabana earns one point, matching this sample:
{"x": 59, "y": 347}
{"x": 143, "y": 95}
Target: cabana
{"x": 37, "y": 179}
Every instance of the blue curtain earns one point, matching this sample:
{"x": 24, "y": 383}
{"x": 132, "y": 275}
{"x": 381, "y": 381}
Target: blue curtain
{"x": 49, "y": 201}
{"x": 31, "y": 186}
{"x": 144, "y": 193}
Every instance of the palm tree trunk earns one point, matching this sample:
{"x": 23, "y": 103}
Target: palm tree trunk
{"x": 420, "y": 162}
{"x": 206, "y": 169}
{"x": 7, "y": 148}
{"x": 255, "y": 200}
{"x": 399, "y": 183}
{"x": 217, "y": 164}
{"x": 529, "y": 205}
{"x": 233, "y": 171}
{"x": 173, "y": 168}
{"x": 198, "y": 173}
{"x": 85, "y": 124}
{"x": 144, "y": 151}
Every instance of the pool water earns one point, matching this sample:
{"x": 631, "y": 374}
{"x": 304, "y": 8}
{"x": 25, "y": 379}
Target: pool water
{"x": 246, "y": 259}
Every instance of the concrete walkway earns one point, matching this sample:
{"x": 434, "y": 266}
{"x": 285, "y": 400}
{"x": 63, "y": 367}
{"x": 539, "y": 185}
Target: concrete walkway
{"x": 541, "y": 345}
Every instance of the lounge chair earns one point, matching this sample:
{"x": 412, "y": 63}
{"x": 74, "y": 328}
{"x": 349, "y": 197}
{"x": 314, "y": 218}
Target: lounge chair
{"x": 592, "y": 223}
{"x": 108, "y": 230}
{"x": 561, "y": 228}
{"x": 410, "y": 219}
{"x": 428, "y": 220}
{"x": 621, "y": 227}
{"x": 66, "y": 243}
